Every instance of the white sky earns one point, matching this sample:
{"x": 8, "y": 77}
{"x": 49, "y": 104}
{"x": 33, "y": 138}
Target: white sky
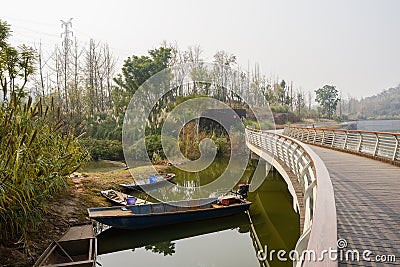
{"x": 353, "y": 44}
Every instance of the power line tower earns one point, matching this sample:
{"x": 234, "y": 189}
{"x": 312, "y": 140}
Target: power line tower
{"x": 66, "y": 43}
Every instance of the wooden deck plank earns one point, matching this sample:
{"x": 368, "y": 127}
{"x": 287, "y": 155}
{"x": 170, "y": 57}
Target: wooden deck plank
{"x": 110, "y": 212}
{"x": 367, "y": 203}
{"x": 78, "y": 232}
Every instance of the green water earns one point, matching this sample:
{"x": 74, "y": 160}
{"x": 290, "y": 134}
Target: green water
{"x": 103, "y": 166}
{"x": 109, "y": 165}
{"x": 229, "y": 241}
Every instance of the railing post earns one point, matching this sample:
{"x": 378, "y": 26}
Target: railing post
{"x": 323, "y": 137}
{"x": 376, "y": 145}
{"x": 294, "y": 161}
{"x": 345, "y": 139}
{"x": 360, "y": 143}
{"x": 315, "y": 136}
{"x": 333, "y": 138}
{"x": 298, "y": 165}
{"x": 396, "y": 148}
{"x": 304, "y": 182}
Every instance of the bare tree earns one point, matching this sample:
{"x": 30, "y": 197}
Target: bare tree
{"x": 109, "y": 67}
{"x": 76, "y": 93}
{"x": 222, "y": 73}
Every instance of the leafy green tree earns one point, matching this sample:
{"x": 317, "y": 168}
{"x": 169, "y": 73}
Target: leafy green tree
{"x": 5, "y": 32}
{"x": 136, "y": 70}
{"x": 299, "y": 103}
{"x": 328, "y": 98}
{"x": 16, "y": 64}
{"x": 268, "y": 93}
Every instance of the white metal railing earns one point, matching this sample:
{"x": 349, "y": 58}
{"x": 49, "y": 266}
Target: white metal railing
{"x": 381, "y": 145}
{"x": 320, "y": 226}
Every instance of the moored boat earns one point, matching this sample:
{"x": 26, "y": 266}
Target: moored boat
{"x": 167, "y": 213}
{"x": 75, "y": 248}
{"x": 119, "y": 198}
{"x": 154, "y": 181}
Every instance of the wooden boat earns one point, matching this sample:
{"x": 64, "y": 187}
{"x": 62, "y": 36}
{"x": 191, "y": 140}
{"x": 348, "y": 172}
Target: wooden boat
{"x": 151, "y": 183}
{"x": 120, "y": 198}
{"x": 76, "y": 248}
{"x": 159, "y": 214}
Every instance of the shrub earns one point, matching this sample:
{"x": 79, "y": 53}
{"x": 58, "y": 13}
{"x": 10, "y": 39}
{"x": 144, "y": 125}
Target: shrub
{"x": 154, "y": 148}
{"x": 103, "y": 148}
{"x": 279, "y": 108}
{"x": 223, "y": 146}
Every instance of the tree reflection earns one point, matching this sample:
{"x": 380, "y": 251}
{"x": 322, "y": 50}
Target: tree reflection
{"x": 167, "y": 248}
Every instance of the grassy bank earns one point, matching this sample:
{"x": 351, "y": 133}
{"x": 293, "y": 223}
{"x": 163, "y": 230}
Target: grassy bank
{"x": 68, "y": 208}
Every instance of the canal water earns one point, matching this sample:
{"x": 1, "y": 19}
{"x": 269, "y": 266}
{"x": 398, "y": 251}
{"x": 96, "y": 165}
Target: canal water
{"x": 103, "y": 166}
{"x": 230, "y": 241}
{"x": 379, "y": 125}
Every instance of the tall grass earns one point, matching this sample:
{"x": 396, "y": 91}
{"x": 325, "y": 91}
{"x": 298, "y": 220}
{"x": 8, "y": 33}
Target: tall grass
{"x": 36, "y": 154}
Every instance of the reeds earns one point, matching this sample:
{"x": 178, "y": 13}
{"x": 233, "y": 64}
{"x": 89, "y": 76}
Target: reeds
{"x": 37, "y": 153}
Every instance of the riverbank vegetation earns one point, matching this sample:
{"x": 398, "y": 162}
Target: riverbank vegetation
{"x": 37, "y": 154}
{"x": 68, "y": 207}
{"x": 38, "y": 149}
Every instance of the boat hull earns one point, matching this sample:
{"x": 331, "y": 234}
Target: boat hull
{"x": 150, "y": 186}
{"x": 142, "y": 221}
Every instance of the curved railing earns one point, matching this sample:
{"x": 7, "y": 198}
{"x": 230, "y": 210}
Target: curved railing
{"x": 320, "y": 226}
{"x": 380, "y": 145}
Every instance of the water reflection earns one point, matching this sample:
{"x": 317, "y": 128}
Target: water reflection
{"x": 113, "y": 239}
{"x": 229, "y": 241}
{"x": 166, "y": 248}
{"x": 275, "y": 222}
{"x": 213, "y": 181}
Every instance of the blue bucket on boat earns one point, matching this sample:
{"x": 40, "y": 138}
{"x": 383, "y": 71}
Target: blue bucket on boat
{"x": 131, "y": 200}
{"x": 153, "y": 179}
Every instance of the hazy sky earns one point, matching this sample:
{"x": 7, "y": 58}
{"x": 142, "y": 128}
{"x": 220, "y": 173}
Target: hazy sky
{"x": 353, "y": 44}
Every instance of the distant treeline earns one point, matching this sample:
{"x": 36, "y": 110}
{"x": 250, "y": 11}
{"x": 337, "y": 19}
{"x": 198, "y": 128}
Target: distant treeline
{"x": 385, "y": 105}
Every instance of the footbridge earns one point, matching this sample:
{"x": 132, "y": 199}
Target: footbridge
{"x": 345, "y": 186}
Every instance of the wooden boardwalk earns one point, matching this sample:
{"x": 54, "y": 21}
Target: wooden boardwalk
{"x": 367, "y": 195}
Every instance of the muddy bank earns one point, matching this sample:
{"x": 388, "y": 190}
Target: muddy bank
{"x": 68, "y": 208}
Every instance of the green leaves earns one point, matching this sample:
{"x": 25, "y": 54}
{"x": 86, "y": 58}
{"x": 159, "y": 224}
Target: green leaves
{"x": 136, "y": 70}
{"x": 36, "y": 154}
{"x": 16, "y": 64}
{"x": 4, "y": 33}
{"x": 328, "y": 98}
